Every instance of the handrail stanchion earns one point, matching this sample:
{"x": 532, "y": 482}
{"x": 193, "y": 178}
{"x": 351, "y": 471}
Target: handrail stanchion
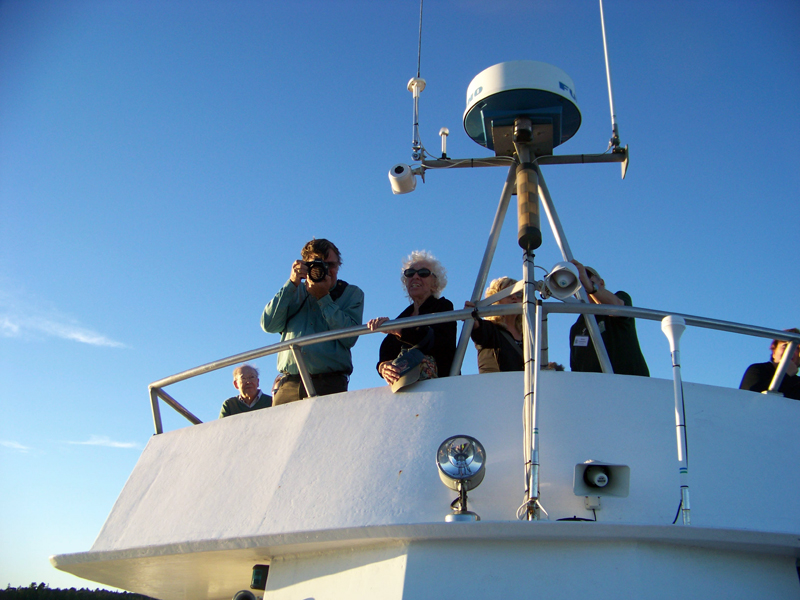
{"x": 156, "y": 411}
{"x": 673, "y": 327}
{"x": 483, "y": 272}
{"x": 777, "y": 379}
{"x": 566, "y": 253}
{"x": 304, "y": 374}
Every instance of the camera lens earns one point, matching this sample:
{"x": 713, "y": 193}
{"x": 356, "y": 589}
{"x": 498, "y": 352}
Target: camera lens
{"x": 317, "y": 270}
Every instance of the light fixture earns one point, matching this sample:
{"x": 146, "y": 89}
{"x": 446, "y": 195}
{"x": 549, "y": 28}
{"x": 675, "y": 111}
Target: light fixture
{"x": 462, "y": 464}
{"x": 403, "y": 178}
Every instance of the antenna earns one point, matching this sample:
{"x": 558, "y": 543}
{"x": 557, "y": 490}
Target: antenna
{"x": 614, "y": 141}
{"x": 415, "y": 86}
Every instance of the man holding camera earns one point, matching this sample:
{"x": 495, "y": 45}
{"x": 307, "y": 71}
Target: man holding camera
{"x": 314, "y": 300}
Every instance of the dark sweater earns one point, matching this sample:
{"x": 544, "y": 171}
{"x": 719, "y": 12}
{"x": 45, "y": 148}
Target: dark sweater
{"x": 442, "y": 345}
{"x": 758, "y": 377}
{"x": 497, "y": 349}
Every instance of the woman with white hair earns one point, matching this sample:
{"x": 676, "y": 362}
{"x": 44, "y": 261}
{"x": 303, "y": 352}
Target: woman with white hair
{"x": 498, "y": 339}
{"x": 423, "y": 278}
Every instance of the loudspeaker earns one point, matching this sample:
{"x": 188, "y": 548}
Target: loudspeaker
{"x": 563, "y": 280}
{"x": 594, "y": 478}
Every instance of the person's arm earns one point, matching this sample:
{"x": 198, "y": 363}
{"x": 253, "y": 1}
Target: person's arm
{"x": 597, "y": 292}
{"x": 288, "y": 298}
{"x": 348, "y": 311}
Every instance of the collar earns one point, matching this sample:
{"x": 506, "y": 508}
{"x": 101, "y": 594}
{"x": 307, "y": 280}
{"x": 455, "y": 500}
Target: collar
{"x": 250, "y": 404}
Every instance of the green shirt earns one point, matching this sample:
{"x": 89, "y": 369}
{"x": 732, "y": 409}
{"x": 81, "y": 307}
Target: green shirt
{"x": 234, "y": 406}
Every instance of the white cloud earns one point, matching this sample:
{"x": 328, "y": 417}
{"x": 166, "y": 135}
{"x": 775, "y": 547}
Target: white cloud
{"x": 101, "y": 440}
{"x": 14, "y": 446}
{"x": 20, "y": 318}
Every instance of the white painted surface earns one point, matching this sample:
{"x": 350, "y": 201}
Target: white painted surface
{"x": 309, "y": 484}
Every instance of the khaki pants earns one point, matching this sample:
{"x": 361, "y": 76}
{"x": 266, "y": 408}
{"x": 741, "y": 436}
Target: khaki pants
{"x": 292, "y": 389}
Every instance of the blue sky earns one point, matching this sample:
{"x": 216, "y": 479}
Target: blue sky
{"x": 163, "y": 162}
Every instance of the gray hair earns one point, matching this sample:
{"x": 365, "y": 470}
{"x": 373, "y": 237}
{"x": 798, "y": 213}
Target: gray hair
{"x": 238, "y": 370}
{"x": 437, "y": 269}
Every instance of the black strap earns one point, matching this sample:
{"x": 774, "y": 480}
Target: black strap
{"x": 338, "y": 290}
{"x": 514, "y": 342}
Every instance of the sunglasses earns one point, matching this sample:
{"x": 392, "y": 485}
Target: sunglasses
{"x": 423, "y": 272}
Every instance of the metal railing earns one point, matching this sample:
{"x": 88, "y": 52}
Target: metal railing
{"x": 157, "y": 392}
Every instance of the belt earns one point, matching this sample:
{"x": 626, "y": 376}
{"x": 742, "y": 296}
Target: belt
{"x": 297, "y": 377}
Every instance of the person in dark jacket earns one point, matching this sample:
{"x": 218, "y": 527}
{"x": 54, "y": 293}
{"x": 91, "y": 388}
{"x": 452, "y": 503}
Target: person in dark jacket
{"x": 423, "y": 278}
{"x": 758, "y": 376}
{"x": 619, "y": 333}
{"x": 498, "y": 339}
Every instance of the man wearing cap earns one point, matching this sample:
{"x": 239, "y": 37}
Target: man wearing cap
{"x": 304, "y": 306}
{"x": 619, "y": 333}
{"x": 245, "y": 379}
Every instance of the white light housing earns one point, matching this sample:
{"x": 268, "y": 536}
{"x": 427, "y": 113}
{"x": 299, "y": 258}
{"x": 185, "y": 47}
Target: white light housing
{"x": 402, "y": 179}
{"x": 461, "y": 460}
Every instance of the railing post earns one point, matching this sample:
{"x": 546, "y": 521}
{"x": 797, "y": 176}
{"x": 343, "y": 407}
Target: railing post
{"x": 780, "y": 372}
{"x": 156, "y": 411}
{"x": 304, "y": 374}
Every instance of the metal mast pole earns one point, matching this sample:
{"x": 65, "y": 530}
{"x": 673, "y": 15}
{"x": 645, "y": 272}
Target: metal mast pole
{"x": 529, "y": 237}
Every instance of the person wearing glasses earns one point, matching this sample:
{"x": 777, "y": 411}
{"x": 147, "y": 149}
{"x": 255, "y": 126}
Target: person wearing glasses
{"x": 423, "y": 278}
{"x": 619, "y": 333}
{"x": 245, "y": 379}
{"x": 757, "y": 377}
{"x": 314, "y": 300}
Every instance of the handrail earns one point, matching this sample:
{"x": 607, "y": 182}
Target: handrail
{"x": 573, "y": 307}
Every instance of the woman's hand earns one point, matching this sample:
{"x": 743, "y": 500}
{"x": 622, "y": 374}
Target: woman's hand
{"x": 475, "y": 318}
{"x": 389, "y": 372}
{"x": 373, "y": 325}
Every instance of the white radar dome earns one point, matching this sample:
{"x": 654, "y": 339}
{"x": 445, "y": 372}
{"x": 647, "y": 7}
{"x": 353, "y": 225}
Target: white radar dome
{"x": 521, "y": 88}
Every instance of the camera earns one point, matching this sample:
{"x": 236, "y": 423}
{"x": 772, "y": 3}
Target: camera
{"x": 317, "y": 270}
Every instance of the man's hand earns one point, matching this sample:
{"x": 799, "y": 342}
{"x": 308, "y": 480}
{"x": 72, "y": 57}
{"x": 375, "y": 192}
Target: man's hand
{"x": 299, "y": 272}
{"x": 319, "y": 289}
{"x": 583, "y": 275}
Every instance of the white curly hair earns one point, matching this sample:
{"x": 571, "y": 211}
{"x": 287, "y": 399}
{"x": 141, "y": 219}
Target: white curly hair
{"x": 437, "y": 269}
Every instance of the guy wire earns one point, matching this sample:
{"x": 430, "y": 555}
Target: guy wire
{"x": 419, "y": 47}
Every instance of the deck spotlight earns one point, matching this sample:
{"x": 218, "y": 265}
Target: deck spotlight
{"x": 462, "y": 464}
{"x": 562, "y": 281}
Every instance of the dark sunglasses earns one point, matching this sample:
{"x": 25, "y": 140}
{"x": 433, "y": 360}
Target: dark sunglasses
{"x": 423, "y": 272}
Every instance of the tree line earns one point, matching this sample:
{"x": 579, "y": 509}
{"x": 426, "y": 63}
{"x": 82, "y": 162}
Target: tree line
{"x": 41, "y": 591}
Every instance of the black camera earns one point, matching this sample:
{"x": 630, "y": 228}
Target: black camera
{"x": 317, "y": 270}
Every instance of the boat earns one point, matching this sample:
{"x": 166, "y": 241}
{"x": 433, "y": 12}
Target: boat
{"x": 567, "y": 483}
